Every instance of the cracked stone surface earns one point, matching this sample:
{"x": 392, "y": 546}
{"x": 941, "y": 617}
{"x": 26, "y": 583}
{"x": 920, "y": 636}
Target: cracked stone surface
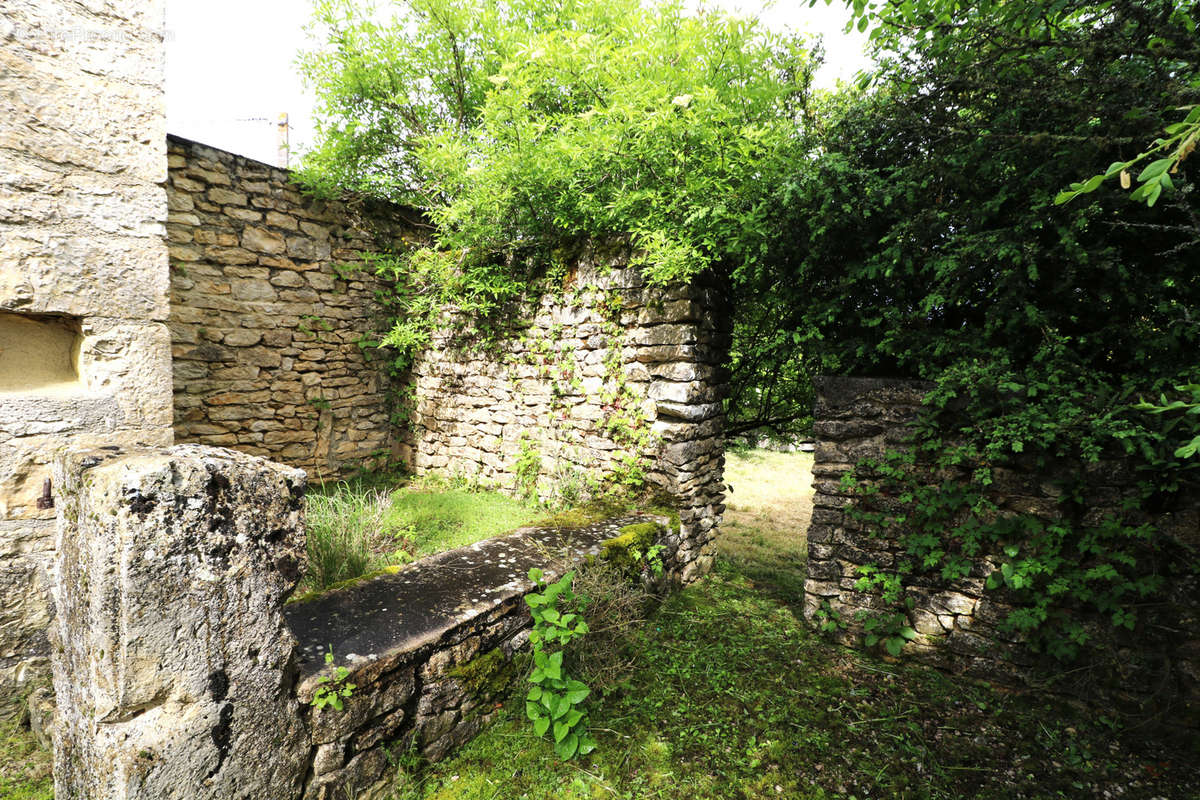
{"x": 397, "y": 613}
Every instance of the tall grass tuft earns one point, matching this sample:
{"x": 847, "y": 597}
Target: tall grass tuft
{"x": 341, "y": 526}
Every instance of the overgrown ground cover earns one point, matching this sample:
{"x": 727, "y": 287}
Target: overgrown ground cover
{"x": 25, "y": 769}
{"x": 732, "y": 696}
{"x": 358, "y": 526}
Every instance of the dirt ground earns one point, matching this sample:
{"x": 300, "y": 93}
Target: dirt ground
{"x": 767, "y": 510}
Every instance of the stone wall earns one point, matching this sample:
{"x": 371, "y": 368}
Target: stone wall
{"x": 600, "y": 379}
{"x": 432, "y": 650}
{"x": 959, "y": 622}
{"x": 84, "y": 348}
{"x": 267, "y": 317}
{"x": 181, "y": 673}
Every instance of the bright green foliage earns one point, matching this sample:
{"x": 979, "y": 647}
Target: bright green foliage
{"x": 533, "y": 125}
{"x": 1179, "y": 143}
{"x": 732, "y": 696}
{"x": 357, "y": 528}
{"x": 25, "y": 768}
{"x": 1048, "y": 569}
{"x": 896, "y": 24}
{"x": 339, "y": 525}
{"x": 555, "y": 703}
{"x": 635, "y": 546}
{"x": 926, "y": 243}
{"x": 528, "y": 466}
{"x": 891, "y": 629}
{"x": 1189, "y": 449}
{"x": 660, "y": 126}
{"x": 333, "y": 689}
{"x": 525, "y": 128}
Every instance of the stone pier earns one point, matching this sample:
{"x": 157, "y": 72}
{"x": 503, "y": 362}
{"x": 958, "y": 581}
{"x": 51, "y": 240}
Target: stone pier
{"x": 174, "y": 669}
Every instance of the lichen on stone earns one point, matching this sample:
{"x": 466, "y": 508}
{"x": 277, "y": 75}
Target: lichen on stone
{"x": 487, "y": 677}
{"x": 597, "y": 510}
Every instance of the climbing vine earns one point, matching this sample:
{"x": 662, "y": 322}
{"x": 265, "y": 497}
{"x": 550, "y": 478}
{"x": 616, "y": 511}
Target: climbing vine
{"x": 1056, "y": 568}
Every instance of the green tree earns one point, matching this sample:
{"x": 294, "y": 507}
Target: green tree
{"x": 926, "y": 242}
{"x": 524, "y": 129}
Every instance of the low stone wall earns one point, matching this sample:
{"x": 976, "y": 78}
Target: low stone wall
{"x": 959, "y": 622}
{"x": 432, "y": 650}
{"x": 181, "y": 673}
{"x": 603, "y": 380}
{"x": 268, "y": 319}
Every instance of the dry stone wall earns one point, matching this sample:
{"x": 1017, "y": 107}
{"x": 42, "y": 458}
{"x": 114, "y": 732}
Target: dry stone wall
{"x": 268, "y": 317}
{"x": 84, "y": 348}
{"x": 432, "y": 648}
{"x": 598, "y": 379}
{"x": 960, "y": 623}
{"x": 604, "y": 380}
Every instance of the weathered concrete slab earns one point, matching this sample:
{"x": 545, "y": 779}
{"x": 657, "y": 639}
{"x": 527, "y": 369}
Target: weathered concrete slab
{"x": 394, "y": 614}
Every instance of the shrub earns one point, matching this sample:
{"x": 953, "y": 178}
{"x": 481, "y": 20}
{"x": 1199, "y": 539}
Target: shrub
{"x": 340, "y": 526}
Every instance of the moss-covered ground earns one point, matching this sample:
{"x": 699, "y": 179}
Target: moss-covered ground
{"x": 732, "y": 696}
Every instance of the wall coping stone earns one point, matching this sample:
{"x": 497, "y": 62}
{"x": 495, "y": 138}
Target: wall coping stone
{"x": 379, "y": 622}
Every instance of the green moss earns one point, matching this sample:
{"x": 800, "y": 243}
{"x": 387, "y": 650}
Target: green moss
{"x": 668, "y": 512}
{"x": 587, "y": 514}
{"x": 626, "y": 549}
{"x": 488, "y": 677}
{"x": 313, "y": 595}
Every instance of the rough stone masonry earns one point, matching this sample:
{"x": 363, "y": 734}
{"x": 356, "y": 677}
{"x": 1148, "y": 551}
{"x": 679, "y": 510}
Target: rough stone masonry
{"x": 960, "y": 623}
{"x": 600, "y": 379}
{"x": 181, "y": 674}
{"x": 84, "y": 348}
{"x": 174, "y": 669}
{"x": 271, "y": 318}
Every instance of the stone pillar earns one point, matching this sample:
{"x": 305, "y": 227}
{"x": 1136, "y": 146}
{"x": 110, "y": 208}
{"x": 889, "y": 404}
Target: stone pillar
{"x": 174, "y": 669}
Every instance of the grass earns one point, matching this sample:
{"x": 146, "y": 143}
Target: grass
{"x": 25, "y": 768}
{"x": 730, "y": 695}
{"x": 766, "y": 517}
{"x": 356, "y": 527}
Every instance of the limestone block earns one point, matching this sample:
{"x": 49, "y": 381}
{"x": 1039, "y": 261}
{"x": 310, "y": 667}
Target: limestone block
{"x": 24, "y": 617}
{"x": 262, "y": 240}
{"x": 130, "y": 361}
{"x": 252, "y": 289}
{"x": 173, "y": 666}
{"x": 281, "y": 220}
{"x": 56, "y": 270}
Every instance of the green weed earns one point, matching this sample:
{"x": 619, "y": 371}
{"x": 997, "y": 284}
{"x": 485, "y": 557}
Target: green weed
{"x": 727, "y": 694}
{"x": 25, "y": 768}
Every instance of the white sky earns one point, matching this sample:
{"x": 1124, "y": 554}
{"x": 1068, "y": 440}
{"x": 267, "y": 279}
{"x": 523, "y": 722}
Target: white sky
{"x": 231, "y": 72}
